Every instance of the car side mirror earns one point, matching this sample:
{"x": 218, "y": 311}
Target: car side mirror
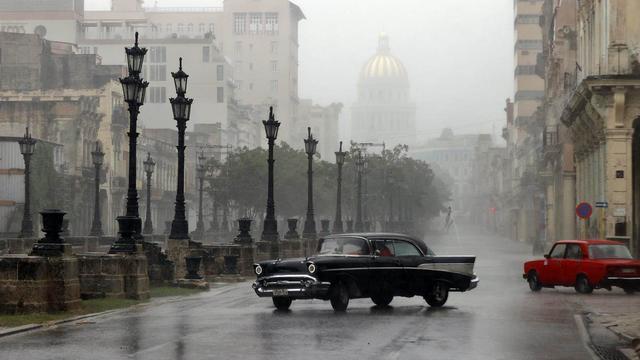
{"x": 546, "y": 256}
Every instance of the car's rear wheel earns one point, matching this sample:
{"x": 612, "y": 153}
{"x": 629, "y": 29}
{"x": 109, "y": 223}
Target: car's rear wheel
{"x": 382, "y": 300}
{"x": 281, "y": 302}
{"x": 582, "y": 285}
{"x": 339, "y": 297}
{"x": 438, "y": 295}
{"x": 629, "y": 291}
{"x": 534, "y": 281}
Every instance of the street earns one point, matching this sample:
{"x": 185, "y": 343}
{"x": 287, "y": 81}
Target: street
{"x": 501, "y": 319}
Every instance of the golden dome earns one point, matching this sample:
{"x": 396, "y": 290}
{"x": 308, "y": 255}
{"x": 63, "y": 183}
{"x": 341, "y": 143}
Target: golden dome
{"x": 383, "y": 65}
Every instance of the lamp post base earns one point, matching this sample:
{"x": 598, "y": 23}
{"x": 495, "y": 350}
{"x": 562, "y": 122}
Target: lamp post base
{"x": 179, "y": 230}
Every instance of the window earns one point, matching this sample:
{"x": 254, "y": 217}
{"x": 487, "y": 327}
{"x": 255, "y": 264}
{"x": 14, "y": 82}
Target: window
{"x": 157, "y": 54}
{"x": 384, "y": 248}
{"x": 255, "y": 23}
{"x": 525, "y": 70}
{"x": 239, "y": 84}
{"x": 528, "y": 19}
{"x": 169, "y": 28}
{"x": 211, "y": 28}
{"x": 606, "y": 251}
{"x": 343, "y": 246}
{"x": 274, "y": 47}
{"x": 238, "y": 48}
{"x": 274, "y": 66}
{"x": 157, "y": 95}
{"x": 220, "y": 72}
{"x": 180, "y": 27}
{"x": 190, "y": 28}
{"x": 201, "y": 28}
{"x": 271, "y": 22}
{"x": 238, "y": 68}
{"x": 574, "y": 252}
{"x": 158, "y": 72}
{"x": 205, "y": 54}
{"x": 557, "y": 252}
{"x": 239, "y": 25}
{"x": 220, "y": 94}
{"x": 274, "y": 85}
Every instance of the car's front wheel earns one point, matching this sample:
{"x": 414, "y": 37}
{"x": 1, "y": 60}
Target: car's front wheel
{"x": 281, "y": 302}
{"x": 339, "y": 297}
{"x": 382, "y": 300}
{"x": 438, "y": 295}
{"x": 534, "y": 281}
{"x": 582, "y": 285}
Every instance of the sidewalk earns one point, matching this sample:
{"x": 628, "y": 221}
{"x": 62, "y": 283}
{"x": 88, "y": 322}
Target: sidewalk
{"x": 625, "y": 326}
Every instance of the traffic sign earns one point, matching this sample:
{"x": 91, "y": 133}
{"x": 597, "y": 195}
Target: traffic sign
{"x": 584, "y": 210}
{"x": 602, "y": 204}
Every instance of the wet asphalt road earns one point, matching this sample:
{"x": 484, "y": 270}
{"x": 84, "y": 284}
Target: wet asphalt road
{"x": 501, "y": 319}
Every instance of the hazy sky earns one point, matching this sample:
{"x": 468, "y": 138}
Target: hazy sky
{"x": 459, "y": 54}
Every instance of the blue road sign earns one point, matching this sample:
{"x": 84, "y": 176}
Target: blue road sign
{"x": 584, "y": 210}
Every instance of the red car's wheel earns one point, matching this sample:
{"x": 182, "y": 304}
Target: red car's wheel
{"x": 534, "y": 281}
{"x": 582, "y": 285}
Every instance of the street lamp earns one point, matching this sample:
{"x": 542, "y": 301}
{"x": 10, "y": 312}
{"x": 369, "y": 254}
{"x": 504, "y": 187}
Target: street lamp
{"x": 133, "y": 90}
{"x": 149, "y": 166}
{"x": 98, "y": 159}
{"x": 200, "y": 173}
{"x": 27, "y": 147}
{"x": 310, "y": 145}
{"x": 359, "y": 168}
{"x": 181, "y": 107}
{"x": 337, "y": 222}
{"x": 270, "y": 229}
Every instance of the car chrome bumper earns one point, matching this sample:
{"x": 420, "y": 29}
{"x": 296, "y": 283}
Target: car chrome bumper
{"x": 474, "y": 283}
{"x": 623, "y": 282}
{"x": 293, "y": 286}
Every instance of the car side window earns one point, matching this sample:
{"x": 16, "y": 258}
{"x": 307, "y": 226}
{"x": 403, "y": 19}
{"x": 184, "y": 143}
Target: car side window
{"x": 384, "y": 247}
{"x": 404, "y": 248}
{"x": 574, "y": 252}
{"x": 558, "y": 251}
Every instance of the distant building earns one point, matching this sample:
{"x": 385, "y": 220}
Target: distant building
{"x": 245, "y": 52}
{"x": 65, "y": 99}
{"x": 323, "y": 121}
{"x": 452, "y": 157}
{"x": 383, "y": 111}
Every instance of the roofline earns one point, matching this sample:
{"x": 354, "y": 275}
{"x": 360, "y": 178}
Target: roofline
{"x": 297, "y": 9}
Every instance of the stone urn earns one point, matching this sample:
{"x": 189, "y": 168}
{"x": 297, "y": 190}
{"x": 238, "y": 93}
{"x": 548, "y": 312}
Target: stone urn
{"x": 349, "y": 226}
{"x": 51, "y": 244}
{"x": 126, "y": 243}
{"x": 193, "y": 266}
{"x": 292, "y": 233}
{"x": 244, "y": 227}
{"x": 324, "y": 224}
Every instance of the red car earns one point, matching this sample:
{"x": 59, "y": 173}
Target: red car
{"x": 585, "y": 265}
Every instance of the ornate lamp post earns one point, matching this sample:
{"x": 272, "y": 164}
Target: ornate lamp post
{"x": 27, "y": 147}
{"x": 310, "y": 145}
{"x": 149, "y": 166}
{"x": 337, "y": 222}
{"x": 200, "y": 173}
{"x": 270, "y": 230}
{"x": 359, "y": 168}
{"x": 98, "y": 159}
{"x": 133, "y": 88}
{"x": 181, "y": 107}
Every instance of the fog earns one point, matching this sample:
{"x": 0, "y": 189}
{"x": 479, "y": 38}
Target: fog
{"x": 458, "y": 53}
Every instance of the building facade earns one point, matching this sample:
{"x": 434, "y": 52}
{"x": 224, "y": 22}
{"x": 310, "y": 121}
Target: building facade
{"x": 323, "y": 121}
{"x": 383, "y": 111}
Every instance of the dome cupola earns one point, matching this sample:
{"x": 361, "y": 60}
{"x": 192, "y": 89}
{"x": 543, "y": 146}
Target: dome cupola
{"x": 383, "y": 66}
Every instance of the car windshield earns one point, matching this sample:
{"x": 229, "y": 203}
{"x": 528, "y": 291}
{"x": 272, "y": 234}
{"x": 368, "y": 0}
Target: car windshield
{"x": 607, "y": 251}
{"x": 343, "y": 246}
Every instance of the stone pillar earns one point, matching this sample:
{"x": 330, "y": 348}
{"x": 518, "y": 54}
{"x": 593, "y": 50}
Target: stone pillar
{"x": 568, "y": 205}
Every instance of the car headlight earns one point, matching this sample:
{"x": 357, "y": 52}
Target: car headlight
{"x": 312, "y": 268}
{"x": 258, "y": 269}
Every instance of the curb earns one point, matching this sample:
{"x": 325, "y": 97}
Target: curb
{"x": 584, "y": 335}
{"x": 158, "y": 301}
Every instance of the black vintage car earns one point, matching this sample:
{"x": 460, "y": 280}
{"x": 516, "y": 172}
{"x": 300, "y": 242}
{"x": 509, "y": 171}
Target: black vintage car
{"x": 375, "y": 265}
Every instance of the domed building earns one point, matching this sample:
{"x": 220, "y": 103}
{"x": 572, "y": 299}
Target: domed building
{"x": 383, "y": 111}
